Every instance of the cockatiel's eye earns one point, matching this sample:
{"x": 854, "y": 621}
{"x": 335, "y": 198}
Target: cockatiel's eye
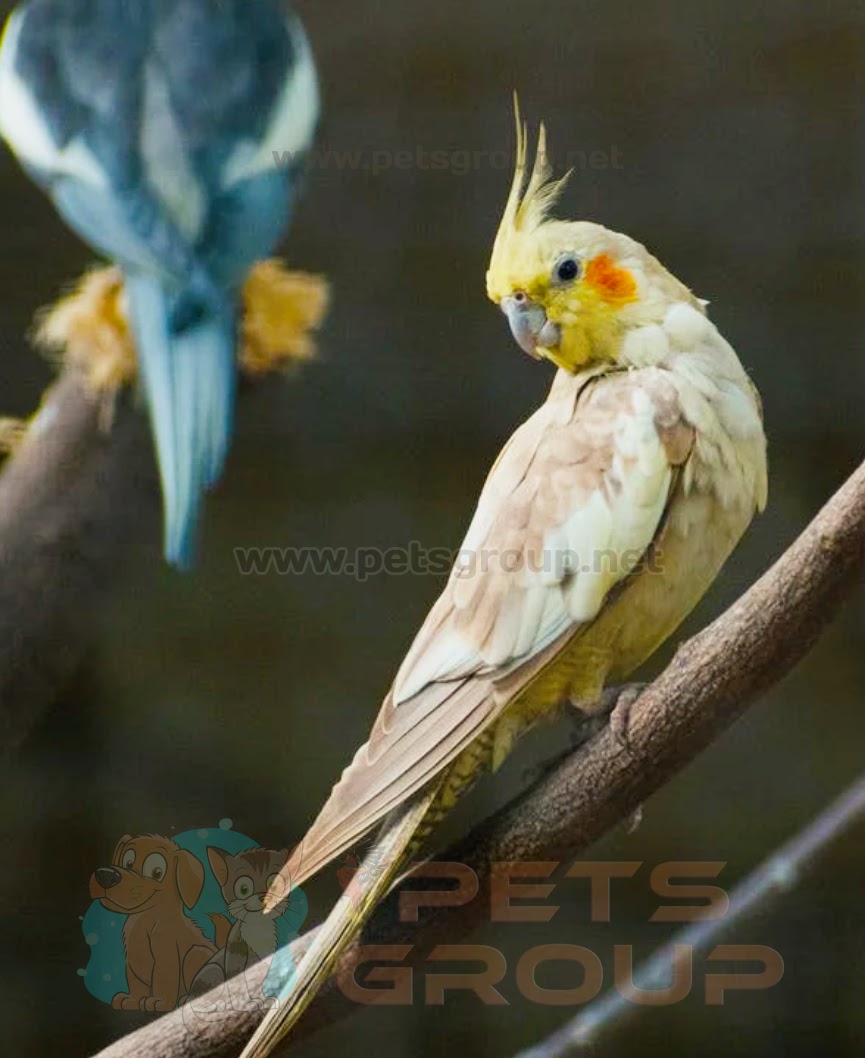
{"x": 567, "y": 268}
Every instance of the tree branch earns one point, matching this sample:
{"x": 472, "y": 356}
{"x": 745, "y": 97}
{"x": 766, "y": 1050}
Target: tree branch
{"x": 708, "y": 684}
{"x": 72, "y": 499}
{"x": 775, "y": 875}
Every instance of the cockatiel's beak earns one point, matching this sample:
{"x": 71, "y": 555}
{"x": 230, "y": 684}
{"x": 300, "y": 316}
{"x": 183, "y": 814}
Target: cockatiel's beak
{"x": 529, "y": 324}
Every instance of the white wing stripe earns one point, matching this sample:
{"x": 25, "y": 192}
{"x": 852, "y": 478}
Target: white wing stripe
{"x": 293, "y": 124}
{"x": 24, "y": 128}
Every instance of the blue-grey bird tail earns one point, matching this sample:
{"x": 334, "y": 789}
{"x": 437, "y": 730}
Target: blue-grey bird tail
{"x": 187, "y": 365}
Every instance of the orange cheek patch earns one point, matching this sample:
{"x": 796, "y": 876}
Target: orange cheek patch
{"x": 611, "y": 282}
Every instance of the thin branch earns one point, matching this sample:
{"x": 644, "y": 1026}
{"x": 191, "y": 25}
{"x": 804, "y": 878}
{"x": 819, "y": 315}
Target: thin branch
{"x": 708, "y": 684}
{"x": 775, "y": 876}
{"x": 73, "y": 497}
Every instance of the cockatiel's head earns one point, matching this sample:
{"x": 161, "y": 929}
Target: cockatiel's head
{"x": 570, "y": 289}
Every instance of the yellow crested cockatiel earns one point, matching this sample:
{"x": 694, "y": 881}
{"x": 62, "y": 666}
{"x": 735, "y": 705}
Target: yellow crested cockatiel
{"x": 622, "y": 496}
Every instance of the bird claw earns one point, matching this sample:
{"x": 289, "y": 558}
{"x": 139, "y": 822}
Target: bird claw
{"x": 622, "y": 701}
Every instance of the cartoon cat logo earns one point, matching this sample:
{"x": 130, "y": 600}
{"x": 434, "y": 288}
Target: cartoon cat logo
{"x": 244, "y": 880}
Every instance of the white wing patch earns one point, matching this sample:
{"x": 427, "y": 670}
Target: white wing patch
{"x": 596, "y": 542}
{"x": 24, "y": 128}
{"x": 293, "y": 122}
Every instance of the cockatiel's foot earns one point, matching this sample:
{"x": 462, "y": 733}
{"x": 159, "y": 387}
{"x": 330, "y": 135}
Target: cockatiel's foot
{"x": 88, "y": 328}
{"x": 617, "y": 702}
{"x": 613, "y": 708}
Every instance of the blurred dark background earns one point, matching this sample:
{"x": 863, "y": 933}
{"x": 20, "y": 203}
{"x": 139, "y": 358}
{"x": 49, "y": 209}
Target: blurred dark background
{"x": 738, "y": 128}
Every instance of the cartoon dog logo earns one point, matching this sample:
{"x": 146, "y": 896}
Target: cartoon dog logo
{"x": 150, "y": 881}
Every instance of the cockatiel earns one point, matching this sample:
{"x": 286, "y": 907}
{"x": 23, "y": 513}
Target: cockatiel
{"x": 152, "y": 125}
{"x": 604, "y": 520}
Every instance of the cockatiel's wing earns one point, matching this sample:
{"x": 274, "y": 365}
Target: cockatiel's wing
{"x": 573, "y": 502}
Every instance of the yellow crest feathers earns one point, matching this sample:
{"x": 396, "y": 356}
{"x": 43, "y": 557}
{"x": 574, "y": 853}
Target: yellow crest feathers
{"x": 529, "y": 204}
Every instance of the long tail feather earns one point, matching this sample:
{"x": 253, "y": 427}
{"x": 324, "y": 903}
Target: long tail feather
{"x": 189, "y": 380}
{"x": 374, "y": 878}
